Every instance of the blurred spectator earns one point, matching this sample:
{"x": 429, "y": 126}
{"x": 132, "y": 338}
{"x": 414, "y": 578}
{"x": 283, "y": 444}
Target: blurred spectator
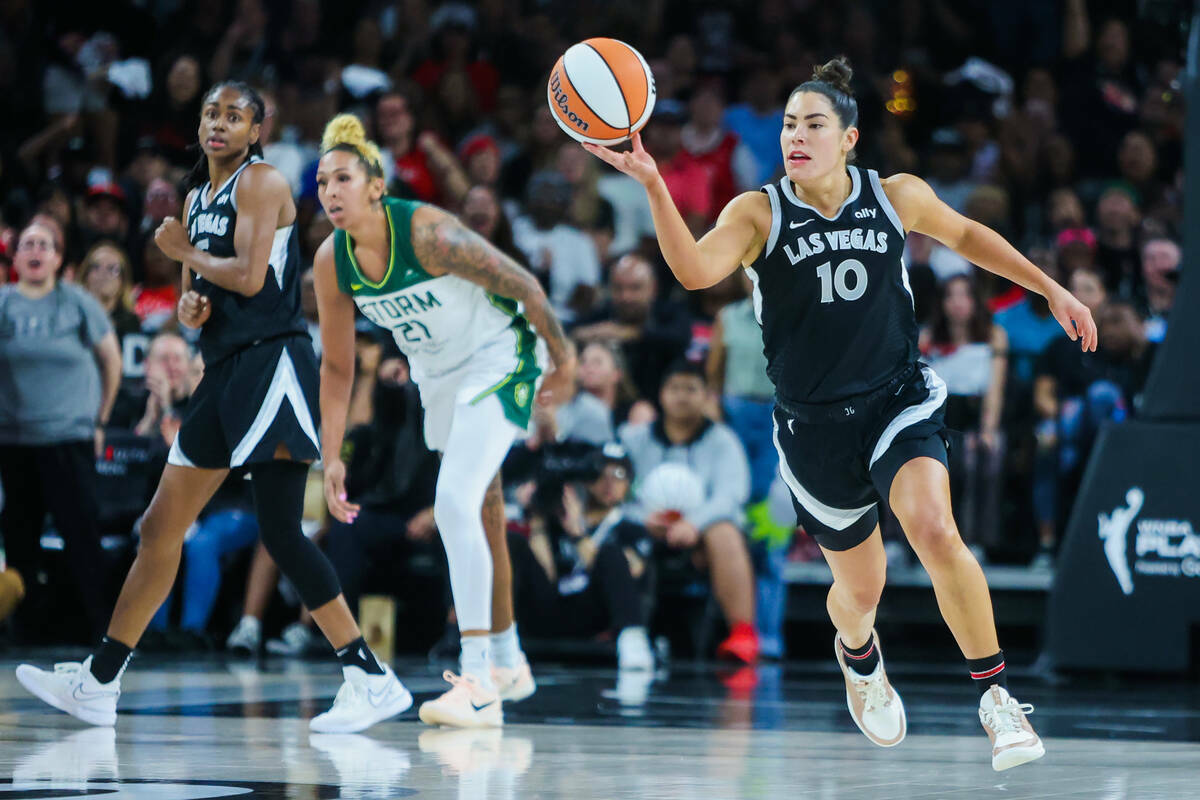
{"x": 60, "y": 362}
{"x": 1064, "y": 210}
{"x": 756, "y": 120}
{"x": 651, "y": 333}
{"x": 589, "y": 211}
{"x": 704, "y": 541}
{"x": 562, "y": 257}
{"x": 170, "y": 381}
{"x": 173, "y": 115}
{"x": 415, "y": 164}
{"x": 1161, "y": 260}
{"x": 602, "y": 374}
{"x": 283, "y": 149}
{"x": 162, "y": 201}
{"x": 730, "y": 163}
{"x": 106, "y": 274}
{"x": 582, "y": 418}
{"x": 155, "y": 298}
{"x": 480, "y": 158}
{"x": 1117, "y": 220}
{"x": 586, "y": 568}
{"x": 1076, "y": 249}
{"x": 105, "y": 215}
{"x": 737, "y": 377}
{"x": 1100, "y": 88}
{"x": 452, "y": 26}
{"x": 970, "y": 353}
{"x": 690, "y": 183}
{"x": 482, "y": 213}
{"x": 1137, "y": 164}
{"x": 243, "y": 51}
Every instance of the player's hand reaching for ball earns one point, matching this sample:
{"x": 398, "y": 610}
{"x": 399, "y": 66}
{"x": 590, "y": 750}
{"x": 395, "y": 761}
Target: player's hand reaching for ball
{"x": 171, "y": 237}
{"x": 636, "y": 163}
{"x": 335, "y": 492}
{"x": 194, "y": 309}
{"x": 1075, "y": 318}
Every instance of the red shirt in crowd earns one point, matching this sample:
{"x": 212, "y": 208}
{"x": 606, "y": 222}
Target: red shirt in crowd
{"x": 690, "y": 185}
{"x": 484, "y": 78}
{"x": 152, "y": 302}
{"x": 719, "y": 163}
{"x": 413, "y": 169}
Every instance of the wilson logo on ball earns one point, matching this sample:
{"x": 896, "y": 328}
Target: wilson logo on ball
{"x": 601, "y": 91}
{"x": 560, "y": 99}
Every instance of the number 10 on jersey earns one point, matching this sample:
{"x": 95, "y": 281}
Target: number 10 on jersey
{"x": 839, "y": 279}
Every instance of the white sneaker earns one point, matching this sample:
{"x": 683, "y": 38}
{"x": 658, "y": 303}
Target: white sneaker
{"x": 72, "y": 688}
{"x": 633, "y": 650}
{"x": 246, "y": 637}
{"x": 874, "y": 705}
{"x": 296, "y": 640}
{"x": 365, "y": 767}
{"x": 514, "y": 684}
{"x": 1014, "y": 741}
{"x": 362, "y": 701}
{"x": 466, "y": 705}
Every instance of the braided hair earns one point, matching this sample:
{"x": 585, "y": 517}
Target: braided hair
{"x": 199, "y": 173}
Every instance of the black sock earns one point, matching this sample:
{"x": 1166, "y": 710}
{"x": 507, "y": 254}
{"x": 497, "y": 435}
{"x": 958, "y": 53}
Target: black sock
{"x": 987, "y": 672}
{"x": 110, "y": 659}
{"x": 357, "y": 654}
{"x": 862, "y": 660}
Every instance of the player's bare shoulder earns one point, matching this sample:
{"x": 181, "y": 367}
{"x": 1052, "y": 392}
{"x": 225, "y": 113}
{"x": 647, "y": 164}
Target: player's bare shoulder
{"x": 908, "y": 194}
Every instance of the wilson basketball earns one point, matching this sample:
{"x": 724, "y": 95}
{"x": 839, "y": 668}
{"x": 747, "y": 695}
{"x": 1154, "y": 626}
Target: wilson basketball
{"x": 601, "y": 91}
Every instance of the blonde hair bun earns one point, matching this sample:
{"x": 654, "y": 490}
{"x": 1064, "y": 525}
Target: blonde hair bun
{"x": 346, "y": 131}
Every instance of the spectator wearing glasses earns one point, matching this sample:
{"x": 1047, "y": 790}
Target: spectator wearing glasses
{"x": 60, "y": 362}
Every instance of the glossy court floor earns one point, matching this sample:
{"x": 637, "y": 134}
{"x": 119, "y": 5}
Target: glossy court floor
{"x": 206, "y": 729}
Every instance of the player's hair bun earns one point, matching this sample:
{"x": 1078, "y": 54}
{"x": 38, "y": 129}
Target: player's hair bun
{"x": 346, "y": 132}
{"x": 837, "y": 73}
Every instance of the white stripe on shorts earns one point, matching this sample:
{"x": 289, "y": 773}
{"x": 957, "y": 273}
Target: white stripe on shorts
{"x": 176, "y": 455}
{"x": 284, "y": 385}
{"x": 837, "y": 518}
{"x": 912, "y": 415}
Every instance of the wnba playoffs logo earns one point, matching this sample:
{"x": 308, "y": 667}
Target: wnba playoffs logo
{"x": 1166, "y": 547}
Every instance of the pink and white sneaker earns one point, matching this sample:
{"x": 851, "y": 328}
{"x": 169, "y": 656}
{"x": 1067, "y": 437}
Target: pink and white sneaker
{"x": 465, "y": 705}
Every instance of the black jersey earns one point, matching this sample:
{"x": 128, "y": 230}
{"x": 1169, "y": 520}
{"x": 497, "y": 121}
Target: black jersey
{"x": 832, "y": 294}
{"x": 238, "y": 321}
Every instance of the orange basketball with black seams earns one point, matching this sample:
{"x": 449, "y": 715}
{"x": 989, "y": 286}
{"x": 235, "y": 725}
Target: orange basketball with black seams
{"x": 601, "y": 91}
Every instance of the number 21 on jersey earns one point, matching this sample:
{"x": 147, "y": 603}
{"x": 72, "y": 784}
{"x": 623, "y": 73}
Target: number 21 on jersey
{"x": 849, "y": 280}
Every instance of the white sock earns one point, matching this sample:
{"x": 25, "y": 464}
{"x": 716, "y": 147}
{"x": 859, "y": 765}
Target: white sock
{"x": 506, "y": 648}
{"x": 476, "y": 660}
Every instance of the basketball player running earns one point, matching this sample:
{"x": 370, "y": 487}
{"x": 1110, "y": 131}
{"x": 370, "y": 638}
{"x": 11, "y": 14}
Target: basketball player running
{"x": 857, "y": 418}
{"x": 254, "y": 409}
{"x": 461, "y": 312}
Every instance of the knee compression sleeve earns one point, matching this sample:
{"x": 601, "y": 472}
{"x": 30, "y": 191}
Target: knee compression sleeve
{"x": 279, "y": 504}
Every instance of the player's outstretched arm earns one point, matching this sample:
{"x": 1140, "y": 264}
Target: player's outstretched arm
{"x": 921, "y": 210}
{"x": 697, "y": 265}
{"x": 444, "y": 246}
{"x": 261, "y": 193}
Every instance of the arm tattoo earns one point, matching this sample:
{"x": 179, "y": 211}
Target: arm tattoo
{"x": 447, "y": 246}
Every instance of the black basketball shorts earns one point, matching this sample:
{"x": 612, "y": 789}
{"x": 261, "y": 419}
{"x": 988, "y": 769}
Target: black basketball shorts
{"x": 838, "y": 460}
{"x": 251, "y": 402}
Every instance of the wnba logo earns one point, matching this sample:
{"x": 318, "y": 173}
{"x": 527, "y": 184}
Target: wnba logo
{"x": 1162, "y": 547}
{"x": 561, "y": 99}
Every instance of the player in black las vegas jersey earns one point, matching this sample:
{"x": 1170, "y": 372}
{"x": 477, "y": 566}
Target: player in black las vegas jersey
{"x": 858, "y": 419}
{"x": 254, "y": 410}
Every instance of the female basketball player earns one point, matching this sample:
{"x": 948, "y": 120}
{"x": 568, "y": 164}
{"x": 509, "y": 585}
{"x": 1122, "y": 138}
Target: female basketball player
{"x": 454, "y": 305}
{"x": 857, "y": 418}
{"x": 254, "y": 409}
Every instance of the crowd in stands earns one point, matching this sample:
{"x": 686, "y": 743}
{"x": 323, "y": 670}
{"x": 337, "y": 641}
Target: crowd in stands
{"x": 1060, "y": 125}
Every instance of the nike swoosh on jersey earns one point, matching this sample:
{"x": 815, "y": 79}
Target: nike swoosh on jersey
{"x": 356, "y": 286}
{"x": 799, "y": 224}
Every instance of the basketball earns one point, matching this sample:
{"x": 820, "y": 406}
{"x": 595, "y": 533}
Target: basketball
{"x": 601, "y": 91}
{"x": 672, "y": 487}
